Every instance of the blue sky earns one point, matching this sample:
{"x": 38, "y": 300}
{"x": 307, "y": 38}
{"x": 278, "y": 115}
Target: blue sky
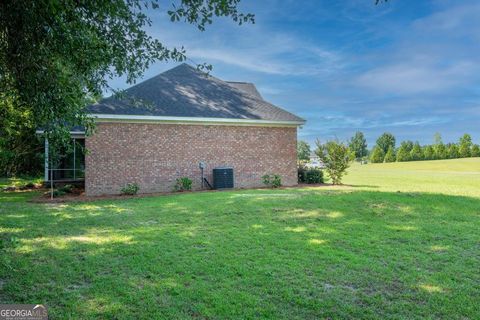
{"x": 408, "y": 67}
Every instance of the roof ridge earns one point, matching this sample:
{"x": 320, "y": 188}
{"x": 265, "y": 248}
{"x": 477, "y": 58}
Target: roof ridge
{"x": 185, "y": 91}
{"x": 176, "y": 68}
{"x": 238, "y": 81}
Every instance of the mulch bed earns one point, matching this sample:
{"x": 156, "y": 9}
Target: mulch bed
{"x": 78, "y": 195}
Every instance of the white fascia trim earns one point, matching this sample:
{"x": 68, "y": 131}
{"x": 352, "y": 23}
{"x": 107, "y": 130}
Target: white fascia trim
{"x": 190, "y": 120}
{"x": 71, "y": 132}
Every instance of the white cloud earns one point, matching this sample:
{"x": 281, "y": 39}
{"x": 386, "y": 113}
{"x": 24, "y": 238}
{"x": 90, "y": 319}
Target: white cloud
{"x": 435, "y": 55}
{"x": 286, "y": 56}
{"x": 411, "y": 77}
{"x": 461, "y": 18}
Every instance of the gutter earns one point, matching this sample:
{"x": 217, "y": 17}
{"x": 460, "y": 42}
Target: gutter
{"x": 193, "y": 120}
{"x": 73, "y": 133}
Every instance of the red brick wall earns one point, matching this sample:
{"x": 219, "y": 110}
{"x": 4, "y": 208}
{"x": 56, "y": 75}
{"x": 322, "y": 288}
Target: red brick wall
{"x": 154, "y": 155}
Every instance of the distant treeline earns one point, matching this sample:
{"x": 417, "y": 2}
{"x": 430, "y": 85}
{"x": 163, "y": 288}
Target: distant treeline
{"x": 385, "y": 149}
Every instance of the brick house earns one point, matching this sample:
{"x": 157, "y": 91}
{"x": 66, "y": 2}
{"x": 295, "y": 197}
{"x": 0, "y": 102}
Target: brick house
{"x": 164, "y": 127}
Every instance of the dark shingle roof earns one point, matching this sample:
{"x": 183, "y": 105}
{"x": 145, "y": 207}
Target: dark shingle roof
{"x": 186, "y": 92}
{"x": 246, "y": 87}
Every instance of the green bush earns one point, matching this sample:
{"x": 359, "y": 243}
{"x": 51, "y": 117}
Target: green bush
{"x": 272, "y": 180}
{"x": 301, "y": 172}
{"x": 183, "y": 184}
{"x": 68, "y": 188}
{"x": 56, "y": 193}
{"x": 336, "y": 157}
{"x": 309, "y": 175}
{"x": 130, "y": 189}
{"x": 313, "y": 176}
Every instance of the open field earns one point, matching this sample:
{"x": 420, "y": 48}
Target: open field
{"x": 402, "y": 241}
{"x": 451, "y": 177}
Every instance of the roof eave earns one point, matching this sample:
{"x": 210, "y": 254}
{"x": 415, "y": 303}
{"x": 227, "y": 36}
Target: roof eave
{"x": 194, "y": 120}
{"x": 74, "y": 133}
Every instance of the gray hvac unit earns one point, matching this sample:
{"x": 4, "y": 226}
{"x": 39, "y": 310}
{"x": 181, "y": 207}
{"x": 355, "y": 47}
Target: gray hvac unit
{"x": 223, "y": 178}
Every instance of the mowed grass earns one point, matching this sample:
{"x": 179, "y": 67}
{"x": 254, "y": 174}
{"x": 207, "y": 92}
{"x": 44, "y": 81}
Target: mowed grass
{"x": 451, "y": 177}
{"x": 402, "y": 241}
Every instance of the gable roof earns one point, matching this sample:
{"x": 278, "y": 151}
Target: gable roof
{"x": 186, "y": 92}
{"x": 246, "y": 87}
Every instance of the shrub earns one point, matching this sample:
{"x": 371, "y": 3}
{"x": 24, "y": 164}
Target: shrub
{"x": 314, "y": 176}
{"x": 272, "y": 180}
{"x": 56, "y": 193}
{"x": 336, "y": 157}
{"x": 183, "y": 184}
{"x": 130, "y": 189}
{"x": 68, "y": 188}
{"x": 301, "y": 172}
{"x": 310, "y": 175}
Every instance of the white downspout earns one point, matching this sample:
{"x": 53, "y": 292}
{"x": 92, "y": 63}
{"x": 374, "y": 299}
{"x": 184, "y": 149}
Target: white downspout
{"x": 46, "y": 160}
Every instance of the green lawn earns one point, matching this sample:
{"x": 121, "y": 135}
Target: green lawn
{"x": 402, "y": 241}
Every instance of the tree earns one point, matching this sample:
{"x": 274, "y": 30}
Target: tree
{"x": 385, "y": 141}
{"x": 55, "y": 55}
{"x": 403, "y": 153}
{"x": 358, "y": 144}
{"x": 440, "y": 151}
{"x": 336, "y": 157}
{"x": 465, "y": 146}
{"x": 437, "y": 138}
{"x": 303, "y": 150}
{"x": 20, "y": 148}
{"x": 416, "y": 153}
{"x": 377, "y": 155}
{"x": 475, "y": 150}
{"x": 452, "y": 151}
{"x": 429, "y": 152}
{"x": 390, "y": 155}
{"x": 439, "y": 147}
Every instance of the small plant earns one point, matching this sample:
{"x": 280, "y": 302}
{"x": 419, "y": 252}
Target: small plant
{"x": 130, "y": 189}
{"x": 272, "y": 180}
{"x": 9, "y": 188}
{"x": 183, "y": 184}
{"x": 30, "y": 185}
{"x": 57, "y": 193}
{"x": 68, "y": 188}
